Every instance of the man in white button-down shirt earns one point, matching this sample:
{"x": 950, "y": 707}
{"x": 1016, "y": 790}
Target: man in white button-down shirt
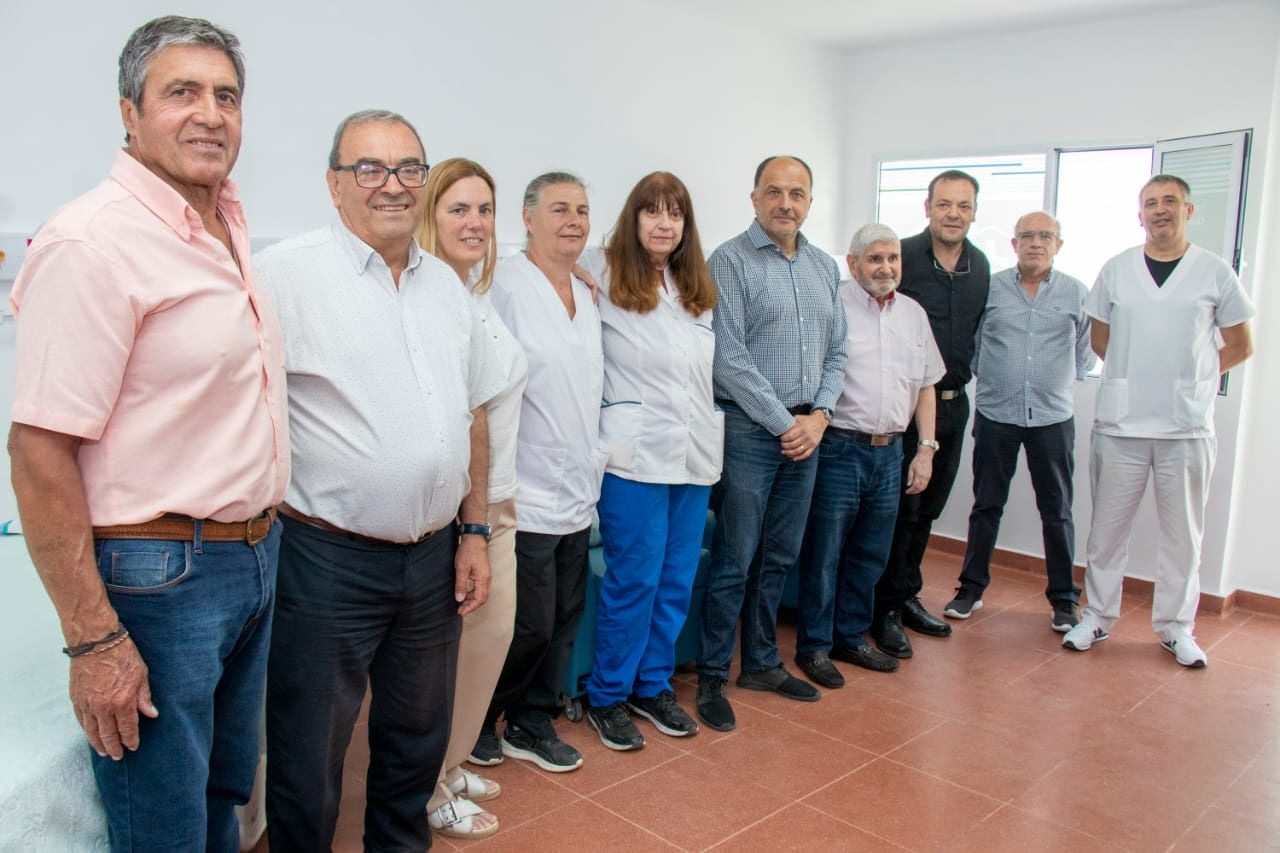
{"x": 388, "y": 372}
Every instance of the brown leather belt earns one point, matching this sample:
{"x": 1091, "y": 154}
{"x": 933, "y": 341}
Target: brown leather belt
{"x": 320, "y": 524}
{"x": 182, "y": 528}
{"x": 873, "y": 439}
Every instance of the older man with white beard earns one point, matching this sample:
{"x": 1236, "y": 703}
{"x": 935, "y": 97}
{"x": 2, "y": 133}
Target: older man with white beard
{"x": 889, "y": 376}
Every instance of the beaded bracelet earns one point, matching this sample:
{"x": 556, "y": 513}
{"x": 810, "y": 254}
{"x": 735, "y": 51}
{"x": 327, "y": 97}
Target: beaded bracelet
{"x": 115, "y": 638}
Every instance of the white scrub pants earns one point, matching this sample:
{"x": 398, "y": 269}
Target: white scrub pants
{"x": 1118, "y": 471}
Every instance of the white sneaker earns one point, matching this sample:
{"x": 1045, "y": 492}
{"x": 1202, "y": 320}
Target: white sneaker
{"x": 1183, "y": 647}
{"x": 1082, "y": 637}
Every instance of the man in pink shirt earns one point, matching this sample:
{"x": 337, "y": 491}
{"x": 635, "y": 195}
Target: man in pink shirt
{"x": 149, "y": 446}
{"x": 889, "y": 376}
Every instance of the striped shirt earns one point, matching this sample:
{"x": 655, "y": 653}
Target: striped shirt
{"x": 1030, "y": 351}
{"x": 780, "y": 328}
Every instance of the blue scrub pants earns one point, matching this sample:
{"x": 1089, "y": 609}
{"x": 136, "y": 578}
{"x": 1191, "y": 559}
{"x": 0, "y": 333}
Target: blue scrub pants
{"x": 652, "y": 540}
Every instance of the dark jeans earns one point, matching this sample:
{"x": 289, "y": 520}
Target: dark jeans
{"x": 1051, "y": 463}
{"x": 351, "y": 614}
{"x": 200, "y": 615}
{"x": 764, "y": 503}
{"x": 917, "y": 513}
{"x": 846, "y": 543}
{"x": 551, "y": 586}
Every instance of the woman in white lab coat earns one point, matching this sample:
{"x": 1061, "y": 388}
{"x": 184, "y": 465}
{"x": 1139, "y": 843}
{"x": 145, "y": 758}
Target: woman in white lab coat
{"x": 558, "y": 465}
{"x": 458, "y": 228}
{"x": 664, "y": 438}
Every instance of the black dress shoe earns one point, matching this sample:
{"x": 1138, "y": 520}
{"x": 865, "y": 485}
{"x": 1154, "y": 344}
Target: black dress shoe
{"x": 915, "y": 617}
{"x": 890, "y": 637}
{"x": 865, "y": 657}
{"x": 821, "y": 671}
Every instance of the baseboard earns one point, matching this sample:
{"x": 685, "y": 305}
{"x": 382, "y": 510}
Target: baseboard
{"x": 1217, "y": 604}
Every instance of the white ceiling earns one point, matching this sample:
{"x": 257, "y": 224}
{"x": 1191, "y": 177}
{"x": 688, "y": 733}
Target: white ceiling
{"x": 868, "y": 23}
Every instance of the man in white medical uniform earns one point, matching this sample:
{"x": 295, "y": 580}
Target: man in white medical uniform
{"x": 1155, "y": 311}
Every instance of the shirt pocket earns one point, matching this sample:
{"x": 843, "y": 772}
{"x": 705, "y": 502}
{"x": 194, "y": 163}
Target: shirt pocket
{"x": 1112, "y": 403}
{"x": 706, "y": 447}
{"x": 619, "y": 428}
{"x": 541, "y": 471}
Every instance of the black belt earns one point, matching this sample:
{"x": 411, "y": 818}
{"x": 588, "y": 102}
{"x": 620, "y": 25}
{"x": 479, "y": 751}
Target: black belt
{"x": 320, "y": 524}
{"x": 949, "y": 393}
{"x": 802, "y": 409}
{"x": 883, "y": 439}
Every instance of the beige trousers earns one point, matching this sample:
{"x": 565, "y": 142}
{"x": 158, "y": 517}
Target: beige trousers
{"x": 486, "y": 634}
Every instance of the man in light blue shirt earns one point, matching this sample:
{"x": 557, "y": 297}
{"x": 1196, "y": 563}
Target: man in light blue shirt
{"x": 778, "y": 369}
{"x": 1032, "y": 346}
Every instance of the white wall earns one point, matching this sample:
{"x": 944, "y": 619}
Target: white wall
{"x": 1162, "y": 75}
{"x": 1251, "y": 561}
{"x": 611, "y": 91}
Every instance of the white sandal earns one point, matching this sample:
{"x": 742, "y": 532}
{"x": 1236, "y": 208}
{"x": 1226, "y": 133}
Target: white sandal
{"x": 475, "y": 787}
{"x": 456, "y": 819}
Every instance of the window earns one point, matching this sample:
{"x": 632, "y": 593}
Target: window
{"x": 1096, "y": 202}
{"x": 1011, "y": 185}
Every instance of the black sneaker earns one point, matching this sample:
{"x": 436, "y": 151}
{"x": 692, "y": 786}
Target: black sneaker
{"x": 665, "y": 713}
{"x": 615, "y": 727}
{"x": 1064, "y": 616}
{"x": 713, "y": 708}
{"x": 550, "y": 753}
{"x": 487, "y": 751}
{"x": 963, "y": 605}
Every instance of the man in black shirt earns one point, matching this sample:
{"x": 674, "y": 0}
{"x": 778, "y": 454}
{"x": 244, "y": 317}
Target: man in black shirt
{"x": 949, "y": 277}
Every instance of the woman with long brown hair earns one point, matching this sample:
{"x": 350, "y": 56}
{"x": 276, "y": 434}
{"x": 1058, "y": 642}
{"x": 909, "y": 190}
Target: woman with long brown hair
{"x": 664, "y": 437}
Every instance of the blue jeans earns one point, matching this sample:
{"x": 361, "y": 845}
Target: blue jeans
{"x": 917, "y": 513}
{"x": 200, "y": 614}
{"x": 846, "y": 543}
{"x": 352, "y": 615}
{"x": 1051, "y": 463}
{"x": 764, "y": 503}
{"x": 652, "y": 540}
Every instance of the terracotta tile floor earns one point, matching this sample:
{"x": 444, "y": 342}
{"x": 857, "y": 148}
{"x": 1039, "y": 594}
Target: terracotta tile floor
{"x": 996, "y": 739}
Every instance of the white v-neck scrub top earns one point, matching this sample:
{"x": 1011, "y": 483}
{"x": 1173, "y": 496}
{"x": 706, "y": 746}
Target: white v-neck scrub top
{"x": 1160, "y": 375}
{"x": 559, "y": 463}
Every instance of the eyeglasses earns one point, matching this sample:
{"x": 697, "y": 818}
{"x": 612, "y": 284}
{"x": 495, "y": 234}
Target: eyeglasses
{"x": 1043, "y": 235}
{"x": 374, "y": 176}
{"x": 962, "y": 271}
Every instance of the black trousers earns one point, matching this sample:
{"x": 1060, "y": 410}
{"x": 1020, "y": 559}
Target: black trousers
{"x": 551, "y": 585}
{"x": 1051, "y": 462}
{"x": 350, "y": 614}
{"x": 917, "y": 513}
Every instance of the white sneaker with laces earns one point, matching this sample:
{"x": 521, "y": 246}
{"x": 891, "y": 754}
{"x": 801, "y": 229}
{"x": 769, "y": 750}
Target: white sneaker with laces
{"x": 1184, "y": 648}
{"x": 1082, "y": 637}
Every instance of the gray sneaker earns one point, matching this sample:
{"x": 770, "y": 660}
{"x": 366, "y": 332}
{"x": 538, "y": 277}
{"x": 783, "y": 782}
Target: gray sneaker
{"x": 1064, "y": 616}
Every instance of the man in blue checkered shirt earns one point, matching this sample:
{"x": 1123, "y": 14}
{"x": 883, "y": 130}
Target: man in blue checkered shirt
{"x": 1032, "y": 346}
{"x": 779, "y": 367}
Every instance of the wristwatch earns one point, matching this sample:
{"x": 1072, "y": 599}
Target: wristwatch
{"x": 476, "y": 530}
{"x": 929, "y": 442}
{"x": 826, "y": 413}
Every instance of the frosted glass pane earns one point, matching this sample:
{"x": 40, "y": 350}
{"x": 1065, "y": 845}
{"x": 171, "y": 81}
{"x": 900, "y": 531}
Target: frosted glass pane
{"x": 1011, "y": 185}
{"x": 1097, "y": 204}
{"x": 1211, "y": 173}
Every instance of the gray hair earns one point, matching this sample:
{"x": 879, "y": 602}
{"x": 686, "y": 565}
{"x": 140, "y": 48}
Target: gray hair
{"x": 154, "y": 36}
{"x": 872, "y": 233}
{"x": 1167, "y": 179}
{"x": 365, "y": 117}
{"x": 1057, "y": 226}
{"x": 533, "y": 192}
